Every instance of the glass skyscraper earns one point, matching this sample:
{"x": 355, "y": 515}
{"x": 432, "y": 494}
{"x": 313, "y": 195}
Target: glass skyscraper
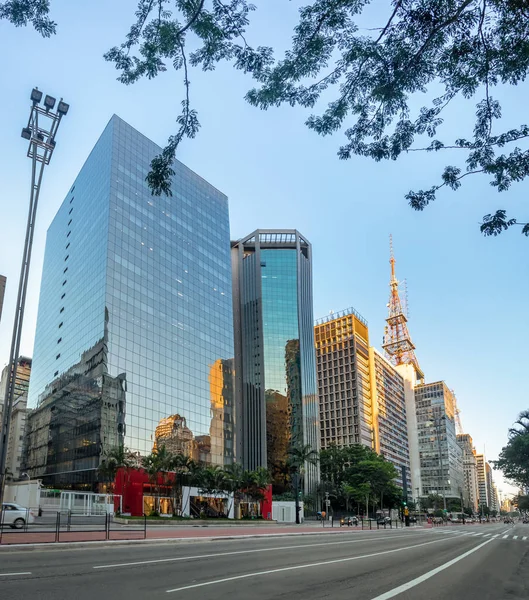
{"x": 274, "y": 351}
{"x": 135, "y": 323}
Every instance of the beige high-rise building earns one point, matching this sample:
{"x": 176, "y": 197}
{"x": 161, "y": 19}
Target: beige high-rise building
{"x": 21, "y": 383}
{"x": 490, "y": 486}
{"x": 482, "y": 481}
{"x": 471, "y": 487}
{"x": 361, "y": 395}
{"x": 19, "y": 411}
{"x": 344, "y": 386}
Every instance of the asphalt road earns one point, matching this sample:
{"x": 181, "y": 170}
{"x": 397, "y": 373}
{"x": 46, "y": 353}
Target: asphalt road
{"x": 467, "y": 563}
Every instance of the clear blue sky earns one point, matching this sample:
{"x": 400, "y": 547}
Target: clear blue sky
{"x": 468, "y": 294}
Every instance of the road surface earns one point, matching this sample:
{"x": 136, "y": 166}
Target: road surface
{"x": 456, "y": 563}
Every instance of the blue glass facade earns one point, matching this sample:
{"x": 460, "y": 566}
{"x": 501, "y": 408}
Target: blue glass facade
{"x": 275, "y": 364}
{"x": 136, "y": 304}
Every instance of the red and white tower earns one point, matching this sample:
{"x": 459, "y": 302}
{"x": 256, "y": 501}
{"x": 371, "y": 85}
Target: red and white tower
{"x": 397, "y": 340}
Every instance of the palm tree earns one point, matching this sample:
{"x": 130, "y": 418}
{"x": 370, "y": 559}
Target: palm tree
{"x": 182, "y": 466}
{"x": 118, "y": 459}
{"x": 523, "y": 422}
{"x": 213, "y": 481}
{"x": 300, "y": 456}
{"x": 236, "y": 484}
{"x": 157, "y": 465}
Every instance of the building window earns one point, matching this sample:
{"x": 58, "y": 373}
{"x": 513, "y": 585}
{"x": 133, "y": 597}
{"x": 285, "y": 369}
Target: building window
{"x": 62, "y": 309}
{"x": 60, "y": 324}
{"x": 70, "y": 222}
{"x": 67, "y": 257}
{"x": 59, "y": 340}
{"x": 58, "y": 356}
{"x": 64, "y": 282}
{"x": 65, "y": 270}
{"x": 68, "y": 234}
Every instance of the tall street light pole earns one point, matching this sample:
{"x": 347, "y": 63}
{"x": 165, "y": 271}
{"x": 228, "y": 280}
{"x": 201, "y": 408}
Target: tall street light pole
{"x": 40, "y": 131}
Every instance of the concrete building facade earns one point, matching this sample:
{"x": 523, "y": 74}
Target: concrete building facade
{"x": 483, "y": 498}
{"x": 441, "y": 458}
{"x": 471, "y": 486}
{"x": 390, "y": 416}
{"x": 344, "y": 383}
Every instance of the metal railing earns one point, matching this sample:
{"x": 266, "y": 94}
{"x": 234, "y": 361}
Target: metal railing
{"x": 42, "y": 527}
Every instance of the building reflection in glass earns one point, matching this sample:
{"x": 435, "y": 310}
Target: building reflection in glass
{"x": 275, "y": 361}
{"x": 80, "y": 416}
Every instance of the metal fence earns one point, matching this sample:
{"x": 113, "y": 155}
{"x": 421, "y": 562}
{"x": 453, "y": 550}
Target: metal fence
{"x": 42, "y": 527}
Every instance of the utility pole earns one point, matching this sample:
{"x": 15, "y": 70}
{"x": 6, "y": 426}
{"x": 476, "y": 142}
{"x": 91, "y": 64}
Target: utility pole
{"x": 40, "y": 131}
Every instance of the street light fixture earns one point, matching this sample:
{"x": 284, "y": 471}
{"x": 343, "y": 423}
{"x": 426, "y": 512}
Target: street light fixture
{"x": 36, "y": 96}
{"x": 40, "y": 131}
{"x": 49, "y": 102}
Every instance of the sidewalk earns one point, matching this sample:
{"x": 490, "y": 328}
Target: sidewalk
{"x": 123, "y": 534}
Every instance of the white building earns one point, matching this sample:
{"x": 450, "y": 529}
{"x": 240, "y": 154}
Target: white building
{"x": 470, "y": 472}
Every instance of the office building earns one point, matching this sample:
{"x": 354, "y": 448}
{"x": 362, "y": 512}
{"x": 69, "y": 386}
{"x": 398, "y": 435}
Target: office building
{"x": 15, "y": 445}
{"x": 441, "y": 458}
{"x": 135, "y": 310}
{"x": 274, "y": 351}
{"x": 390, "y": 417}
{"x": 21, "y": 382}
{"x": 18, "y": 414}
{"x": 2, "y": 293}
{"x": 484, "y": 498}
{"x": 495, "y": 501}
{"x": 470, "y": 472}
{"x": 490, "y": 486}
{"x": 361, "y": 395}
{"x": 344, "y": 386}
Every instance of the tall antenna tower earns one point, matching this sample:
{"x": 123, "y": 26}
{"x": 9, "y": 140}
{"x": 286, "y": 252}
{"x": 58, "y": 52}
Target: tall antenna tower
{"x": 397, "y": 340}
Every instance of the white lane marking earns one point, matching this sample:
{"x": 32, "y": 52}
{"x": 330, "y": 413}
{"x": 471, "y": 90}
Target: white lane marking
{"x": 524, "y": 537}
{"x": 406, "y": 586}
{"x": 486, "y": 535}
{"x": 179, "y": 558}
{"x": 504, "y": 537}
{"x": 495, "y": 536}
{"x": 297, "y": 567}
{"x": 478, "y": 534}
{"x": 12, "y": 574}
{"x": 514, "y": 537}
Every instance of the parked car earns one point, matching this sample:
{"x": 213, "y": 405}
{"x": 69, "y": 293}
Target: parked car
{"x": 15, "y": 515}
{"x": 348, "y": 521}
{"x": 383, "y": 520}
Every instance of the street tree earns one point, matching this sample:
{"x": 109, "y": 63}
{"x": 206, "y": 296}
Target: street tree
{"x": 299, "y": 458}
{"x": 438, "y": 50}
{"x": 514, "y": 457}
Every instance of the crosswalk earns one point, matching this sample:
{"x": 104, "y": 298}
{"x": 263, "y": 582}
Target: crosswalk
{"x": 495, "y": 536}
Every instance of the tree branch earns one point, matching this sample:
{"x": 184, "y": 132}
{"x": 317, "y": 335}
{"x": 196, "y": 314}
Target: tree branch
{"x": 193, "y": 18}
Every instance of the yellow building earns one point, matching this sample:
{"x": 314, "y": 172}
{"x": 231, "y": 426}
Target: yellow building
{"x": 361, "y": 394}
{"x": 344, "y": 387}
